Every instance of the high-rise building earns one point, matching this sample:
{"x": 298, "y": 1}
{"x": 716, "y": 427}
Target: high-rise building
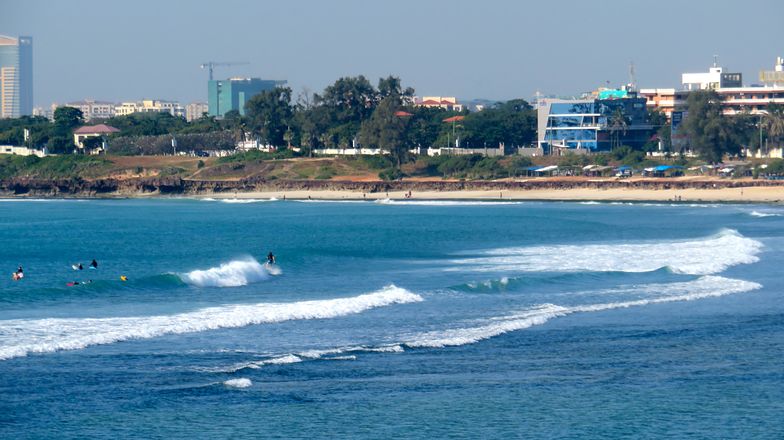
{"x": 225, "y": 95}
{"x": 16, "y": 76}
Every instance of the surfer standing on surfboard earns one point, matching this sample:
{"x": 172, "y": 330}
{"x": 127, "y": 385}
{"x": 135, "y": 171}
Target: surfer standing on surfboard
{"x": 270, "y": 258}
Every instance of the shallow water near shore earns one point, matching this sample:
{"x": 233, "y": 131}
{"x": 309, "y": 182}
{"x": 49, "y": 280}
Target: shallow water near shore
{"x": 399, "y": 319}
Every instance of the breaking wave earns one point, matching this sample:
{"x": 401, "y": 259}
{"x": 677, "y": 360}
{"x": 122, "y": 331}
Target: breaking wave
{"x": 20, "y": 337}
{"x": 704, "y": 256}
{"x": 232, "y": 274}
{"x": 238, "y": 383}
{"x": 703, "y": 287}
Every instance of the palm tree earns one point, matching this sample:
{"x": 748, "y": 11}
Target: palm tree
{"x": 773, "y": 122}
{"x": 618, "y": 125}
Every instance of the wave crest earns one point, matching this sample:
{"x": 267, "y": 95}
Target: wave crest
{"x": 20, "y": 337}
{"x": 232, "y": 274}
{"x": 705, "y": 256}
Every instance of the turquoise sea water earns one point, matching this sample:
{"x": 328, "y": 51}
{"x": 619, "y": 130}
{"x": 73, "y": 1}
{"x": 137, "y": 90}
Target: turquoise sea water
{"x": 391, "y": 320}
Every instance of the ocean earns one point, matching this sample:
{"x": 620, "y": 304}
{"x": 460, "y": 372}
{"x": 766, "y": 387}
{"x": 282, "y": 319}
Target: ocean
{"x": 399, "y": 319}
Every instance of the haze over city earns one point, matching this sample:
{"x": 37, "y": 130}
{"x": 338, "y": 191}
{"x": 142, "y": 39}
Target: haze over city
{"x": 497, "y": 50}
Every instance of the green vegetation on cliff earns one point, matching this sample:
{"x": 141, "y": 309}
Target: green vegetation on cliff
{"x": 53, "y": 167}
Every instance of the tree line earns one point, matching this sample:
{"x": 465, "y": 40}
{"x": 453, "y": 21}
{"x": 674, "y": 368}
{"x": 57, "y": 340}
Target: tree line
{"x": 352, "y": 111}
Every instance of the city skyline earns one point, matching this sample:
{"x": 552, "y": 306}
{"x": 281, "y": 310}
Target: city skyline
{"x": 127, "y": 53}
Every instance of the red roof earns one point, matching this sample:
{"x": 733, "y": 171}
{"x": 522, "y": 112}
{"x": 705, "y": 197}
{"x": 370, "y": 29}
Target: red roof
{"x": 402, "y": 113}
{"x": 92, "y": 129}
{"x": 454, "y": 118}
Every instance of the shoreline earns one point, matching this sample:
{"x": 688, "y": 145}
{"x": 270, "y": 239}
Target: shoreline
{"x": 771, "y": 195}
{"x": 564, "y": 189}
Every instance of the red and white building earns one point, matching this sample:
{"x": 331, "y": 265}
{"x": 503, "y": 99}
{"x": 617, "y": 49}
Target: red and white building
{"x": 448, "y": 103}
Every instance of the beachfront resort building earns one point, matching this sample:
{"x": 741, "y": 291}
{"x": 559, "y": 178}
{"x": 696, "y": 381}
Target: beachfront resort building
{"x": 225, "y": 95}
{"x": 595, "y": 124}
{"x": 16, "y": 76}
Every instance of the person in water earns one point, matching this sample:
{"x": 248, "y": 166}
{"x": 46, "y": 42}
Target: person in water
{"x": 80, "y": 267}
{"x": 94, "y": 264}
{"x": 19, "y": 270}
{"x": 270, "y": 258}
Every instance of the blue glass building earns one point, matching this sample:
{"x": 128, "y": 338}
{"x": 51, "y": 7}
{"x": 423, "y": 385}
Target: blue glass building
{"x": 224, "y": 95}
{"x": 593, "y": 124}
{"x": 16, "y": 76}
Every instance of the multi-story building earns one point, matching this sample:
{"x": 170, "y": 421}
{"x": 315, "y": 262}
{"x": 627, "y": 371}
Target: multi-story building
{"x": 735, "y": 97}
{"x": 225, "y": 95}
{"x": 593, "y": 124}
{"x": 195, "y": 110}
{"x": 16, "y": 76}
{"x": 715, "y": 78}
{"x": 92, "y": 109}
{"x": 445, "y": 102}
{"x": 150, "y": 106}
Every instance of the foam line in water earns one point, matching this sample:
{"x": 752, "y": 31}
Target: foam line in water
{"x": 702, "y": 256}
{"x": 703, "y": 287}
{"x": 763, "y": 214}
{"x": 444, "y": 202}
{"x": 19, "y": 337}
{"x": 232, "y": 274}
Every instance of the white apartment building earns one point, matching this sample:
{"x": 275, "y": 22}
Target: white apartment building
{"x": 92, "y": 109}
{"x": 150, "y": 106}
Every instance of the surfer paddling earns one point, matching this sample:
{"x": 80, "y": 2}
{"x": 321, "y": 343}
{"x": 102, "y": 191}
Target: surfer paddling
{"x": 19, "y": 274}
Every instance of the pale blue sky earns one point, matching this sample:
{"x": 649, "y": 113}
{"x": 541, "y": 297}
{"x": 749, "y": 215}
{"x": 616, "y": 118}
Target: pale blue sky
{"x": 127, "y": 50}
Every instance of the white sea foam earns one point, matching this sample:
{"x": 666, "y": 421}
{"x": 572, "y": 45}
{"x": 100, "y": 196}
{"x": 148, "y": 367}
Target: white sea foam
{"x": 232, "y": 274}
{"x": 704, "y": 287}
{"x": 19, "y": 337}
{"x": 237, "y": 201}
{"x": 444, "y": 202}
{"x": 238, "y": 383}
{"x": 703, "y": 256}
{"x": 763, "y": 214}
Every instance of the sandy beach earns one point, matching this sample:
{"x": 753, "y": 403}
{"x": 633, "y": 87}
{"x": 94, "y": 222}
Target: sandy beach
{"x": 751, "y": 194}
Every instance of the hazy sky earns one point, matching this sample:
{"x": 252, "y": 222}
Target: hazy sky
{"x": 128, "y": 50}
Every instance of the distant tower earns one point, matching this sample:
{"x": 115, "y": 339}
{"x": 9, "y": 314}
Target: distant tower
{"x": 632, "y": 77}
{"x": 715, "y": 61}
{"x": 16, "y": 76}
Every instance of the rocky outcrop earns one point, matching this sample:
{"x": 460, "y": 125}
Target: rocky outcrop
{"x": 177, "y": 186}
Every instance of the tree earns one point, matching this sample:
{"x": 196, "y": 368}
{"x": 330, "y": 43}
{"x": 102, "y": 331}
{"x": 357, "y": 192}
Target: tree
{"x": 386, "y": 130}
{"x": 270, "y": 113}
{"x": 512, "y": 123}
{"x": 68, "y": 117}
{"x": 65, "y": 120}
{"x": 618, "y": 123}
{"x": 349, "y": 102}
{"x": 710, "y": 133}
{"x": 773, "y": 122}
{"x": 391, "y": 86}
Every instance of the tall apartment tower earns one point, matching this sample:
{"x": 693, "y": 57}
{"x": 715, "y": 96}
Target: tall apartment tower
{"x": 16, "y": 76}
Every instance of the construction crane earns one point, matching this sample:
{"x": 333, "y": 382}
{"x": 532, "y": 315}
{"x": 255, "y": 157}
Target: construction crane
{"x": 213, "y": 64}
